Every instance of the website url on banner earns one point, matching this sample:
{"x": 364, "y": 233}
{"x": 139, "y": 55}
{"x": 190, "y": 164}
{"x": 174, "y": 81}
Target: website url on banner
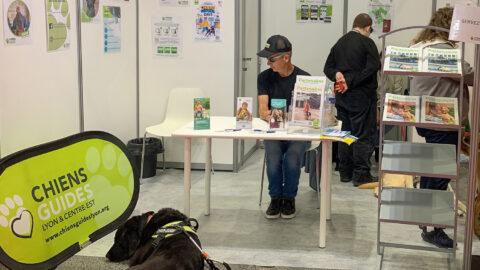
{"x": 76, "y": 224}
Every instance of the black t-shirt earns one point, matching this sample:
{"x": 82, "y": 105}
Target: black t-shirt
{"x": 275, "y": 86}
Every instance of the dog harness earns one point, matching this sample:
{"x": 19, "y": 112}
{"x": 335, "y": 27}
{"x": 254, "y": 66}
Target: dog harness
{"x": 177, "y": 227}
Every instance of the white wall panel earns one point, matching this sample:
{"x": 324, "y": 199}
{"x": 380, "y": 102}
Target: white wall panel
{"x": 38, "y": 90}
{"x": 207, "y": 65}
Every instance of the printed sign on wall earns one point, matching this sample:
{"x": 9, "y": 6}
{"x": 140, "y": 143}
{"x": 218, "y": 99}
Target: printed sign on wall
{"x": 16, "y": 22}
{"x": 58, "y": 25}
{"x": 465, "y": 24}
{"x": 314, "y": 11}
{"x": 208, "y": 20}
{"x": 57, "y": 195}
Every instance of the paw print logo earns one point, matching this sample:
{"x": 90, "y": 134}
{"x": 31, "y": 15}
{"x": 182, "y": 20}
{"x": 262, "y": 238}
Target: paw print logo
{"x": 21, "y": 223}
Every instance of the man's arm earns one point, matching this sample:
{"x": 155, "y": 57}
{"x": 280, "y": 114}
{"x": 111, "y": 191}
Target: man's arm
{"x": 263, "y": 107}
{"x": 330, "y": 66}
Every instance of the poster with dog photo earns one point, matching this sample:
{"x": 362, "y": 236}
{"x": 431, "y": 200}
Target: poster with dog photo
{"x": 90, "y": 9}
{"x": 401, "y": 108}
{"x": 243, "y": 114}
{"x": 16, "y": 22}
{"x": 440, "y": 110}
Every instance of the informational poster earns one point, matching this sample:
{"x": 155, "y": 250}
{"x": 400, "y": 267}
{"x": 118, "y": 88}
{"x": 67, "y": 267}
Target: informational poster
{"x": 16, "y": 22}
{"x": 90, "y": 10}
{"x": 166, "y": 36}
{"x": 175, "y": 3}
{"x": 208, "y": 21}
{"x": 465, "y": 24}
{"x": 58, "y": 25}
{"x": 314, "y": 11}
{"x": 111, "y": 29}
{"x": 381, "y": 12}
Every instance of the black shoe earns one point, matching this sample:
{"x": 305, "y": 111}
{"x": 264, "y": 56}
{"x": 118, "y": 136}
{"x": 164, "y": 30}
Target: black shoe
{"x": 377, "y": 154}
{"x": 273, "y": 210}
{"x": 438, "y": 238}
{"x": 288, "y": 207}
{"x": 364, "y": 180}
{"x": 345, "y": 178}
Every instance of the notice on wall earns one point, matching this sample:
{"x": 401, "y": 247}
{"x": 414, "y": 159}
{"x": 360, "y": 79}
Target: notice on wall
{"x": 208, "y": 21}
{"x": 166, "y": 36}
{"x": 90, "y": 10}
{"x": 112, "y": 40}
{"x": 16, "y": 22}
{"x": 465, "y": 24}
{"x": 314, "y": 11}
{"x": 58, "y": 25}
{"x": 381, "y": 12}
{"x": 175, "y": 3}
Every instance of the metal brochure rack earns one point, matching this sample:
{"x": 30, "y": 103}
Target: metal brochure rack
{"x": 418, "y": 206}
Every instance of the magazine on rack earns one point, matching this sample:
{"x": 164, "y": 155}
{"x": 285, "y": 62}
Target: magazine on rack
{"x": 440, "y": 110}
{"x": 243, "y": 114}
{"x": 278, "y": 114}
{"x": 201, "y": 113}
{"x": 442, "y": 60}
{"x": 307, "y": 102}
{"x": 401, "y": 108}
{"x": 403, "y": 59}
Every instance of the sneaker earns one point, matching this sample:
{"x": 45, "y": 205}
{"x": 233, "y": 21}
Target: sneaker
{"x": 345, "y": 178}
{"x": 364, "y": 180}
{"x": 288, "y": 207}
{"x": 273, "y": 210}
{"x": 438, "y": 238}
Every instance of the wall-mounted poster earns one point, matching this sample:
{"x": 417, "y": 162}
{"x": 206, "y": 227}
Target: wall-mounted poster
{"x": 314, "y": 11}
{"x": 90, "y": 10}
{"x": 112, "y": 38}
{"x": 381, "y": 12}
{"x": 175, "y": 3}
{"x": 58, "y": 25}
{"x": 166, "y": 36}
{"x": 16, "y": 22}
{"x": 207, "y": 21}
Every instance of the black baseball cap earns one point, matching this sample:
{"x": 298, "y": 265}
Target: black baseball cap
{"x": 275, "y": 44}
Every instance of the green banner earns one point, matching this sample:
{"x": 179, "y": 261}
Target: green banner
{"x": 57, "y": 196}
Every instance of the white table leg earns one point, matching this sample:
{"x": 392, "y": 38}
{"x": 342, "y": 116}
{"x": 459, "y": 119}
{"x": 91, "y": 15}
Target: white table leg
{"x": 323, "y": 196}
{"x": 208, "y": 174}
{"x": 328, "y": 178}
{"x": 186, "y": 176}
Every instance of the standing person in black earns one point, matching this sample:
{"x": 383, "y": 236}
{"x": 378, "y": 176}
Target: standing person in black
{"x": 353, "y": 62}
{"x": 283, "y": 158}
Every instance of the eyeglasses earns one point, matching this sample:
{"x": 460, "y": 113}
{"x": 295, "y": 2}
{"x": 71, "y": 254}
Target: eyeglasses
{"x": 371, "y": 29}
{"x": 275, "y": 58}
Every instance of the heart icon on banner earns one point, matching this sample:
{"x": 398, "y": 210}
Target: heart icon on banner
{"x": 22, "y": 226}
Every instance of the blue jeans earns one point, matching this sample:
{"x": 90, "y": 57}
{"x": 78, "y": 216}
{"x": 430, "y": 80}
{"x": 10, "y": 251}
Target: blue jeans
{"x": 435, "y": 136}
{"x": 284, "y": 163}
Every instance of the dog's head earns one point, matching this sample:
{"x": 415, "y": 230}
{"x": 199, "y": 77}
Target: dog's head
{"x": 161, "y": 218}
{"x": 127, "y": 238}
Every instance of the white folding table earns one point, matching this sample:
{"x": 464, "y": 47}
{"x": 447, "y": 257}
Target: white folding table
{"x": 219, "y": 129}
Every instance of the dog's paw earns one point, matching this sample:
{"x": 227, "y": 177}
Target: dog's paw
{"x": 21, "y": 223}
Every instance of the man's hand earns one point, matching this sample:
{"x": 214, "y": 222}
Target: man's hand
{"x": 266, "y": 115}
{"x": 340, "y": 79}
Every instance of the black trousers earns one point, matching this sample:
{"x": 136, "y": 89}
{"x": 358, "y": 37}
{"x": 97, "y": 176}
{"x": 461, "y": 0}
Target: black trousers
{"x": 358, "y": 115}
{"x": 436, "y": 136}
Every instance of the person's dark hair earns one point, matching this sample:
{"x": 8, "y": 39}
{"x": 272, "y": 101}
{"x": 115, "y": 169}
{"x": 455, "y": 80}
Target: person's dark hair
{"x": 362, "y": 20}
{"x": 441, "y": 18}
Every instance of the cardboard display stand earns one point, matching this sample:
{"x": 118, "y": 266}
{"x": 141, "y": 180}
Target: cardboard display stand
{"x": 59, "y": 196}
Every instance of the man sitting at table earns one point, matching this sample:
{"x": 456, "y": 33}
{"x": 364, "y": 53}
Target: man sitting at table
{"x": 284, "y": 158}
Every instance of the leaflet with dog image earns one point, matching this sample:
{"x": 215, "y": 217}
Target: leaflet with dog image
{"x": 440, "y": 110}
{"x": 243, "y": 115}
{"x": 278, "y": 114}
{"x": 403, "y": 59}
{"x": 442, "y": 60}
{"x": 201, "y": 113}
{"x": 401, "y": 108}
{"x": 307, "y": 102}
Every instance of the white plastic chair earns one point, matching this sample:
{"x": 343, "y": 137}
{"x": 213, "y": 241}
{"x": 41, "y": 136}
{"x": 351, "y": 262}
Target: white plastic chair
{"x": 313, "y": 147}
{"x": 178, "y": 113}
